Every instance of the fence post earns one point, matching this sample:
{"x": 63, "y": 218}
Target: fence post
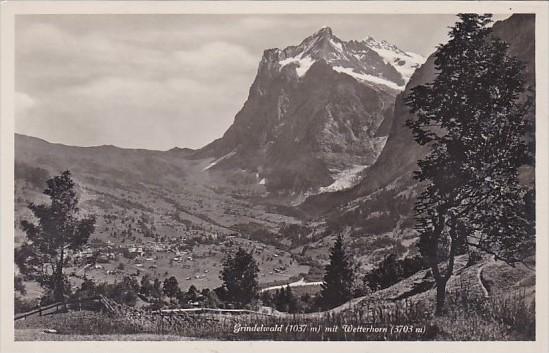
{"x": 161, "y": 322}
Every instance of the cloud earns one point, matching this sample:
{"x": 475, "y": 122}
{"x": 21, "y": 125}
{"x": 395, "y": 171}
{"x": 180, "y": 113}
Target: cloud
{"x": 220, "y": 56}
{"x": 136, "y": 112}
{"x": 92, "y": 87}
{"x": 159, "y": 81}
{"x": 23, "y": 102}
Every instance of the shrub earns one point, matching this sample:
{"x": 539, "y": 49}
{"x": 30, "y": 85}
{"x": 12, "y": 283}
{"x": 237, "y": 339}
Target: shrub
{"x": 391, "y": 271}
{"x": 22, "y": 305}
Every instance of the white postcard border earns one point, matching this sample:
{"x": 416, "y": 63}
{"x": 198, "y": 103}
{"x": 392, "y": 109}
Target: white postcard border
{"x": 10, "y": 9}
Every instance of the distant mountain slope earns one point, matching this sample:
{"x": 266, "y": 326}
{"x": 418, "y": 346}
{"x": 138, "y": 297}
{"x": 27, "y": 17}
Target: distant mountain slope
{"x": 163, "y": 185}
{"x": 314, "y": 111}
{"x": 400, "y": 154}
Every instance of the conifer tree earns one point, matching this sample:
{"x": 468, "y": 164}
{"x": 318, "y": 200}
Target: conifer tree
{"x": 59, "y": 228}
{"x": 339, "y": 277}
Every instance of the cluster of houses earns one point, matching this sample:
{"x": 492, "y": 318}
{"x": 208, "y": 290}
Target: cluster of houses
{"x": 145, "y": 254}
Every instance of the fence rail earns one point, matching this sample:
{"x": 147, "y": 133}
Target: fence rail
{"x": 47, "y": 309}
{"x": 136, "y": 314}
{"x": 210, "y": 311}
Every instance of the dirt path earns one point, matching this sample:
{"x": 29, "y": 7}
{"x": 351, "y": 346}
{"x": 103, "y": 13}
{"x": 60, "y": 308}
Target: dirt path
{"x": 338, "y": 309}
{"x": 483, "y": 283}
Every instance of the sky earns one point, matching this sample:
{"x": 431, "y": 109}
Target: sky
{"x": 164, "y": 81}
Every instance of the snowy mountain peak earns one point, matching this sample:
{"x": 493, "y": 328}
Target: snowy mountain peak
{"x": 324, "y": 31}
{"x": 404, "y": 62}
{"x": 375, "y": 63}
{"x": 312, "y": 118}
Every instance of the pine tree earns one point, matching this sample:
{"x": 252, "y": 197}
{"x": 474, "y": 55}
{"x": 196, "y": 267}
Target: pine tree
{"x": 472, "y": 117}
{"x": 239, "y": 275}
{"x": 59, "y": 229}
{"x": 339, "y": 277}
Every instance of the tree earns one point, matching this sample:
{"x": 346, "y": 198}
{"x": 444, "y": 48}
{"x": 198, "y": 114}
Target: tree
{"x": 339, "y": 277}
{"x": 211, "y": 299}
{"x": 157, "y": 291}
{"x": 239, "y": 275}
{"x": 392, "y": 270}
{"x": 59, "y": 228}
{"x": 19, "y": 285}
{"x": 472, "y": 118}
{"x": 286, "y": 301}
{"x": 124, "y": 292}
{"x": 146, "y": 287}
{"x": 170, "y": 287}
{"x": 192, "y": 294}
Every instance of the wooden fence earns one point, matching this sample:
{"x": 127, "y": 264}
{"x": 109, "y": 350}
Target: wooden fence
{"x": 57, "y": 307}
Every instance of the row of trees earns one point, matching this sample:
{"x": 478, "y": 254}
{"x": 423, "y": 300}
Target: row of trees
{"x": 239, "y": 275}
{"x": 155, "y": 292}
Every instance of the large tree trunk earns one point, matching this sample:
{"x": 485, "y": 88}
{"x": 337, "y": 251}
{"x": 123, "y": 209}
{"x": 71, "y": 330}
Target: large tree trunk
{"x": 58, "y": 290}
{"x": 59, "y": 287}
{"x": 441, "y": 279}
{"x": 441, "y": 296}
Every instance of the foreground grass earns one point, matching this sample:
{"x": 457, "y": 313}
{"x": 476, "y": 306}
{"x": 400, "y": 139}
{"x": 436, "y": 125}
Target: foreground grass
{"x": 40, "y": 335}
{"x": 469, "y": 318}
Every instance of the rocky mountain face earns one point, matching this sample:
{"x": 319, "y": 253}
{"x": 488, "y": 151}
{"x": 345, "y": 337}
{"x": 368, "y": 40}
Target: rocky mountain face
{"x": 401, "y": 153}
{"x": 313, "y": 115}
{"x": 391, "y": 174}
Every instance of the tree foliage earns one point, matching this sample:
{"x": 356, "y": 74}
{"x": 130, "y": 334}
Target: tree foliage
{"x": 338, "y": 278}
{"x": 170, "y": 287}
{"x": 472, "y": 117}
{"x": 239, "y": 275}
{"x": 391, "y": 271}
{"x": 59, "y": 228}
{"x": 123, "y": 292}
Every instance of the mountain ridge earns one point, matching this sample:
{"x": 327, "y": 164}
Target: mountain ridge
{"x": 313, "y": 112}
{"x": 399, "y": 157}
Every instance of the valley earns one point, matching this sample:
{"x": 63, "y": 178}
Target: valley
{"x": 319, "y": 153}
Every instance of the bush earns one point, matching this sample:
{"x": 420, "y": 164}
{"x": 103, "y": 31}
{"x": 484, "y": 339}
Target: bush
{"x": 124, "y": 292}
{"x": 22, "y": 305}
{"x": 391, "y": 271}
{"x": 474, "y": 258}
{"x": 90, "y": 323}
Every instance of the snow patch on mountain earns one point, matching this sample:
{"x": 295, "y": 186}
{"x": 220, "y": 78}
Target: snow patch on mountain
{"x": 404, "y": 62}
{"x": 368, "y": 78}
{"x": 336, "y": 45}
{"x": 345, "y": 179}
{"x": 303, "y": 64}
{"x": 368, "y": 60}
